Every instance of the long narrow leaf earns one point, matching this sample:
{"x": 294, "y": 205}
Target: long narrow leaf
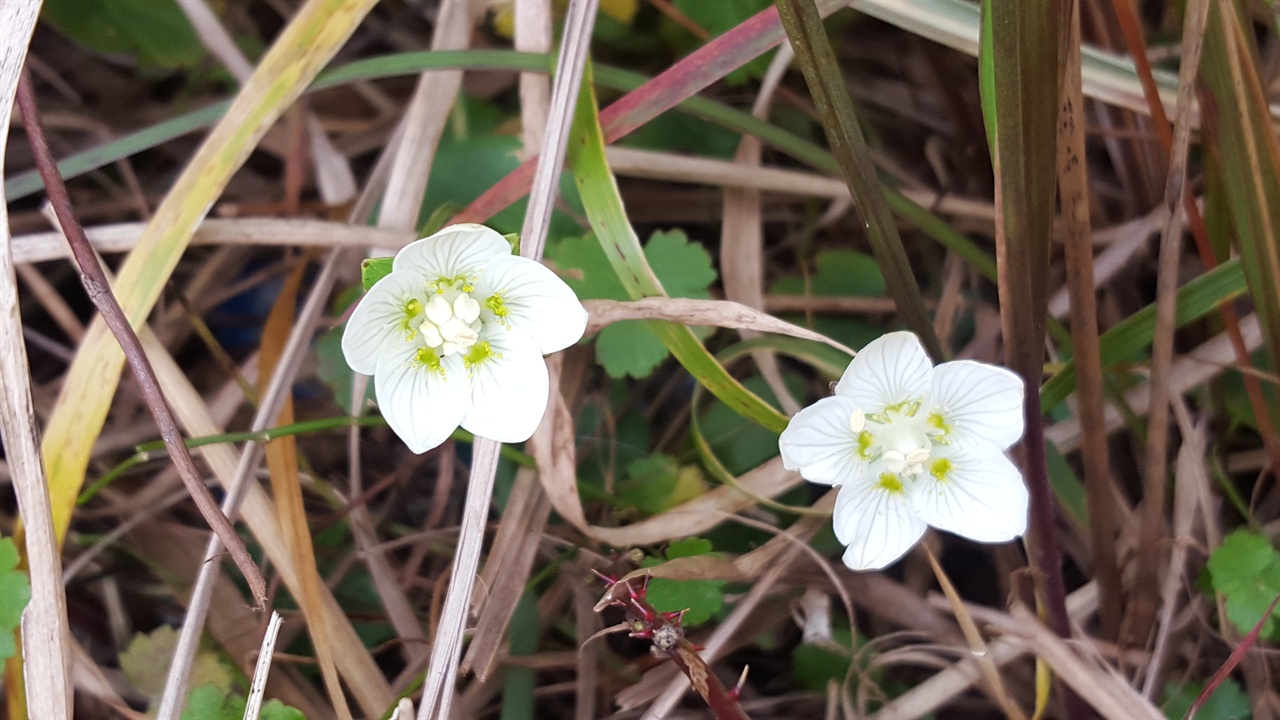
{"x": 840, "y": 122}
{"x": 317, "y": 32}
{"x": 1244, "y": 150}
{"x": 603, "y": 203}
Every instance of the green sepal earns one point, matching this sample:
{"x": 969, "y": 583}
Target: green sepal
{"x": 374, "y": 269}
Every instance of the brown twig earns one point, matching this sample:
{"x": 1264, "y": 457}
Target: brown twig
{"x": 99, "y": 291}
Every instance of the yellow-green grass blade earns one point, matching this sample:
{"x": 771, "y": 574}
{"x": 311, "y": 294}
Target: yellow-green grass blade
{"x": 1242, "y": 149}
{"x": 318, "y": 30}
{"x": 603, "y": 203}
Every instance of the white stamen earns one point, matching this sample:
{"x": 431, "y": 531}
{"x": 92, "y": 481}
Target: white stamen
{"x": 438, "y": 310}
{"x": 466, "y": 308}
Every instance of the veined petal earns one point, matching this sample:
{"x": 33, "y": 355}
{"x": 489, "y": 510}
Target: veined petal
{"x": 422, "y": 404}
{"x": 819, "y": 443}
{"x": 510, "y": 386}
{"x": 979, "y": 401}
{"x": 458, "y": 251}
{"x": 533, "y": 299}
{"x": 891, "y": 369}
{"x": 382, "y": 319}
{"x": 973, "y": 490}
{"x": 876, "y": 523}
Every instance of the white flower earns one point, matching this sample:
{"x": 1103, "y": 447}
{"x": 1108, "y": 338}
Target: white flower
{"x": 455, "y": 335}
{"x": 913, "y": 445}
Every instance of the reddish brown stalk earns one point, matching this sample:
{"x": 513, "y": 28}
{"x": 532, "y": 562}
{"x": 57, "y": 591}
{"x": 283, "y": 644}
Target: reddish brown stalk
{"x": 1233, "y": 660}
{"x": 667, "y": 634}
{"x": 1073, "y": 191}
{"x": 1195, "y": 222}
{"x": 98, "y": 289}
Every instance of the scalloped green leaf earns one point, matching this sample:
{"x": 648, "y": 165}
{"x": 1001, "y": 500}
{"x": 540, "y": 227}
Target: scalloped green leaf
{"x": 699, "y": 598}
{"x": 631, "y": 348}
{"x": 1246, "y": 570}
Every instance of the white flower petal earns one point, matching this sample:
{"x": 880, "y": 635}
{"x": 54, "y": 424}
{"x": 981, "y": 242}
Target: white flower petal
{"x": 509, "y": 389}
{"x": 878, "y": 526}
{"x": 536, "y": 301}
{"x": 378, "y": 322}
{"x": 979, "y": 401}
{"x": 456, "y": 251}
{"x": 981, "y": 497}
{"x": 819, "y": 443}
{"x": 891, "y": 369}
{"x": 423, "y": 406}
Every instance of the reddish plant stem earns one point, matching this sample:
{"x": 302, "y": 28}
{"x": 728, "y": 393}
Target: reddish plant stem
{"x": 667, "y": 634}
{"x": 1237, "y": 654}
{"x": 1160, "y": 122}
{"x": 98, "y": 289}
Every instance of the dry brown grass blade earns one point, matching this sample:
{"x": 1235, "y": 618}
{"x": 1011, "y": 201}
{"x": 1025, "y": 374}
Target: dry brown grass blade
{"x": 1097, "y": 684}
{"x": 261, "y": 671}
{"x": 742, "y": 236}
{"x": 928, "y": 696}
{"x": 977, "y": 645}
{"x": 704, "y": 512}
{"x": 1192, "y": 494}
{"x": 269, "y": 406}
{"x": 1192, "y": 369}
{"x": 303, "y": 47}
{"x": 363, "y": 676}
{"x": 586, "y": 624}
{"x": 286, "y": 488}
{"x": 673, "y": 167}
{"x": 437, "y": 697}
{"x": 253, "y": 232}
{"x": 533, "y": 34}
{"x": 334, "y": 178}
{"x": 424, "y": 121}
{"x": 1142, "y": 605}
{"x": 44, "y": 628}
{"x": 176, "y": 551}
{"x": 554, "y": 447}
{"x": 687, "y": 311}
{"x": 506, "y": 571}
{"x": 1073, "y": 194}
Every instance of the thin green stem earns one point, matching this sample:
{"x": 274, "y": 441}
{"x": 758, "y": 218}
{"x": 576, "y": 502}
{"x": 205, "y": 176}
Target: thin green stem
{"x": 148, "y": 451}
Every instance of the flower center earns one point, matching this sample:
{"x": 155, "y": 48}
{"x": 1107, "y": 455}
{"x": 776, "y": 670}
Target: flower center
{"x": 900, "y": 435}
{"x": 905, "y": 442}
{"x": 452, "y": 324}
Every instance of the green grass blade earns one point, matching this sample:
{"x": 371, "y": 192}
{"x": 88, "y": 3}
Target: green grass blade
{"x": 840, "y": 122}
{"x": 603, "y": 203}
{"x": 1243, "y": 149}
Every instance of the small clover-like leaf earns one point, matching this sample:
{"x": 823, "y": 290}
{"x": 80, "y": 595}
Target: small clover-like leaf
{"x": 1246, "y": 570}
{"x": 700, "y": 598}
{"x": 208, "y": 702}
{"x": 145, "y": 663}
{"x": 684, "y": 268}
{"x": 15, "y": 593}
{"x": 276, "y": 710}
{"x": 630, "y": 348}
